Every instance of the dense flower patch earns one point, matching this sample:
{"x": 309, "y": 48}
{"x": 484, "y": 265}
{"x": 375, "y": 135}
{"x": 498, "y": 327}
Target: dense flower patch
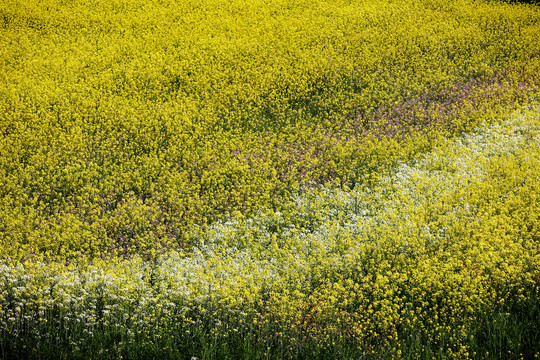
{"x": 269, "y": 179}
{"x": 441, "y": 258}
{"x": 124, "y": 123}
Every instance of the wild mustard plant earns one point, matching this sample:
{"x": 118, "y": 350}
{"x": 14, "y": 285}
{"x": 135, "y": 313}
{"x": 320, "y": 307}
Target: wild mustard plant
{"x": 125, "y": 123}
{"x": 441, "y": 258}
{"x": 221, "y": 179}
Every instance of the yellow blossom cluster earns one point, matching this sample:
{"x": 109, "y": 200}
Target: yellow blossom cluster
{"x": 124, "y": 123}
{"x": 278, "y": 179}
{"x": 441, "y": 259}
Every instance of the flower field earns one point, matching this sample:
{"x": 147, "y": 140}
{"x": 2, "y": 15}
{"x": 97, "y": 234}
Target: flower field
{"x": 225, "y": 179}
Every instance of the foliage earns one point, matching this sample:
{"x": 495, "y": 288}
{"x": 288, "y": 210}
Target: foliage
{"x": 126, "y": 122}
{"x": 440, "y": 259}
{"x": 287, "y": 179}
